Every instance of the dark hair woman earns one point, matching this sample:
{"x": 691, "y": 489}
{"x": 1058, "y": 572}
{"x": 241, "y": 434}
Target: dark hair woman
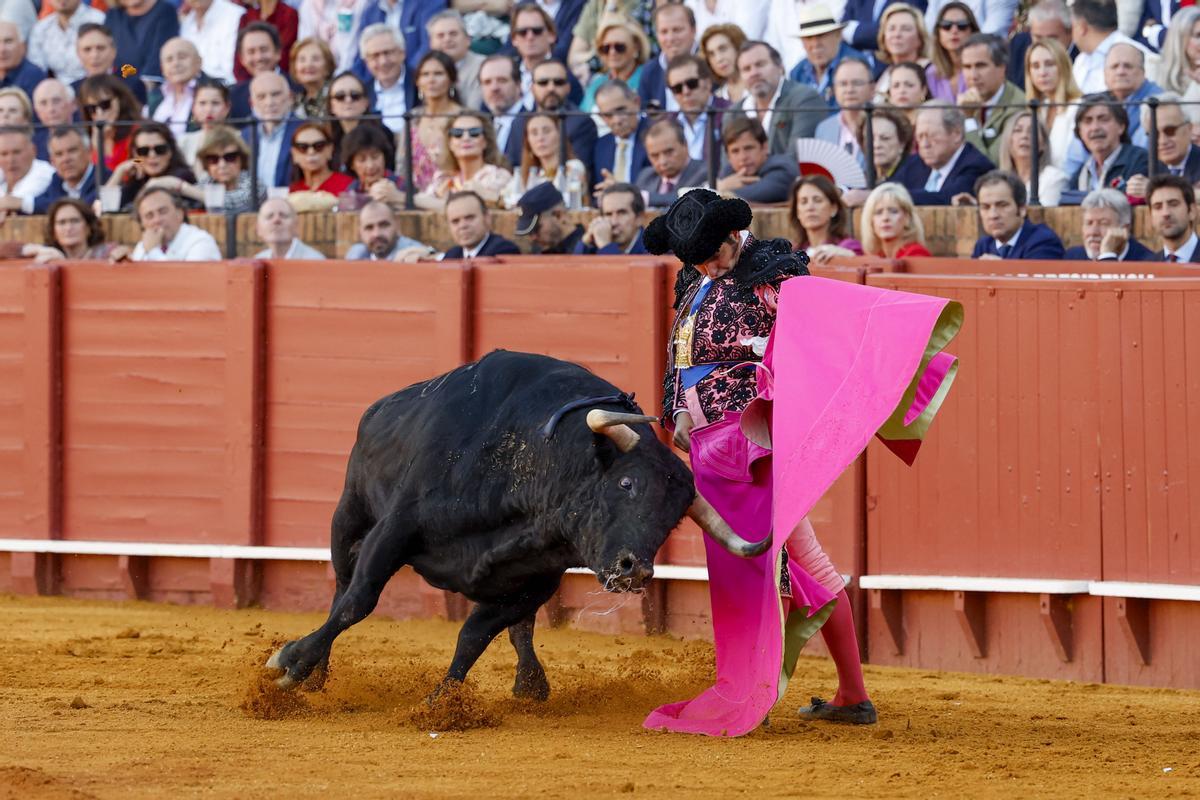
{"x": 821, "y": 220}
{"x": 348, "y": 100}
{"x": 72, "y": 231}
{"x": 312, "y": 161}
{"x": 154, "y": 160}
{"x": 106, "y": 98}
{"x": 955, "y": 24}
{"x": 368, "y": 151}
{"x": 436, "y": 76}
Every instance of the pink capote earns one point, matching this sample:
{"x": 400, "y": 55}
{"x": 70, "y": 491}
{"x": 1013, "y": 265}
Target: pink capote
{"x": 844, "y": 363}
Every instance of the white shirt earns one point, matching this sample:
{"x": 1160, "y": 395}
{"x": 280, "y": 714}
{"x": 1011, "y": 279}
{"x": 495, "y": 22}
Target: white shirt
{"x": 190, "y": 244}
{"x": 215, "y": 36}
{"x": 36, "y": 181}
{"x": 1051, "y": 182}
{"x": 751, "y": 17}
{"x": 1186, "y": 252}
{"x": 695, "y": 134}
{"x": 176, "y": 108}
{"x": 748, "y": 106}
{"x": 52, "y": 48}
{"x": 503, "y": 122}
{"x": 392, "y": 104}
{"x": 1089, "y": 67}
{"x": 297, "y": 251}
{"x": 944, "y": 171}
{"x": 472, "y": 252}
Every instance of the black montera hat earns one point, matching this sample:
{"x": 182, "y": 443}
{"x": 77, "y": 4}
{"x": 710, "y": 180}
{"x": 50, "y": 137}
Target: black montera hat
{"x": 696, "y": 224}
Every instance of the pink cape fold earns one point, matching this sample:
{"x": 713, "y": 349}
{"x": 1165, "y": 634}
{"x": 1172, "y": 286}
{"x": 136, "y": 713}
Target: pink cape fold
{"x": 844, "y": 362}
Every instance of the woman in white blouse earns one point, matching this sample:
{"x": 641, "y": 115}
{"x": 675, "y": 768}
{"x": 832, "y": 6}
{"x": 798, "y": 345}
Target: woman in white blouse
{"x": 1016, "y": 155}
{"x": 1048, "y": 78}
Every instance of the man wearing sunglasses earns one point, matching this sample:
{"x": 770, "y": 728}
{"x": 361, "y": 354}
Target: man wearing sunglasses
{"x": 551, "y": 92}
{"x": 535, "y": 38}
{"x": 1176, "y": 153}
{"x": 700, "y": 113}
{"x": 619, "y": 155}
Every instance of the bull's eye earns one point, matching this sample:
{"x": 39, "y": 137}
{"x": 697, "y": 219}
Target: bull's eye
{"x": 626, "y": 484}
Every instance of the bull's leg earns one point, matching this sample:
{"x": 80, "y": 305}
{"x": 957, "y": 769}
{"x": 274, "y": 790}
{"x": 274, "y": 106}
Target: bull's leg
{"x": 384, "y": 550}
{"x": 486, "y": 620}
{"x": 531, "y": 680}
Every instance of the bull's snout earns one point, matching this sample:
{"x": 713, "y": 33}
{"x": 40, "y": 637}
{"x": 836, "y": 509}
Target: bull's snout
{"x": 628, "y": 573}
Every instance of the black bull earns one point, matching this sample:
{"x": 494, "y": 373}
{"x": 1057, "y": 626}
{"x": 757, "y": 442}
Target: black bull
{"x": 457, "y": 477}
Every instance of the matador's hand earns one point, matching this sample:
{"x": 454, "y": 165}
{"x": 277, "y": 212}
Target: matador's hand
{"x": 683, "y": 431}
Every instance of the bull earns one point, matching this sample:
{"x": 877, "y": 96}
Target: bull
{"x": 492, "y": 480}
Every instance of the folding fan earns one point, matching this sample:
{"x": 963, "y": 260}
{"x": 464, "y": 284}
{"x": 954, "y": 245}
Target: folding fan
{"x": 819, "y": 157}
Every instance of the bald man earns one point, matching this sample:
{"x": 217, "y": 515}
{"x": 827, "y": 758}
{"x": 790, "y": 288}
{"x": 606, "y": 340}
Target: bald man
{"x": 54, "y": 105}
{"x": 271, "y": 104}
{"x": 15, "y": 68}
{"x": 277, "y": 224}
{"x": 172, "y": 103}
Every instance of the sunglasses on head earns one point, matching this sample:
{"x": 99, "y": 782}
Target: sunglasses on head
{"x": 560, "y": 82}
{"x": 536, "y": 30}
{"x": 156, "y": 149}
{"x": 613, "y": 47}
{"x": 691, "y": 84}
{"x": 1171, "y": 130}
{"x": 954, "y": 24}
{"x": 471, "y": 133}
{"x": 99, "y": 105}
{"x": 348, "y": 97}
{"x": 311, "y": 147}
{"x": 232, "y": 157}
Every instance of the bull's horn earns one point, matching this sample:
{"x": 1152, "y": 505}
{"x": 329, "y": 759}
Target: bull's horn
{"x": 615, "y": 426}
{"x": 707, "y": 518}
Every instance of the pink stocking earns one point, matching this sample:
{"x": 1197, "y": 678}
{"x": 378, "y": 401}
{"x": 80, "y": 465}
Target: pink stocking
{"x": 842, "y": 643}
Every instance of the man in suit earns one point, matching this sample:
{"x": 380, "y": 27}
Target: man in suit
{"x": 700, "y": 113}
{"x": 862, "y": 21}
{"x": 619, "y": 155}
{"x": 413, "y": 20}
{"x": 470, "y": 225}
{"x": 391, "y": 84}
{"x": 990, "y": 100}
{"x": 618, "y": 228}
{"x": 1103, "y": 126}
{"x": 1176, "y": 153}
{"x": 945, "y": 164}
{"x": 53, "y": 105}
{"x": 852, "y": 87}
{"x": 1172, "y": 203}
{"x": 74, "y": 175}
{"x": 788, "y": 111}
{"x": 551, "y": 88}
{"x": 271, "y": 103}
{"x": 15, "y": 68}
{"x": 534, "y": 38}
{"x": 1107, "y": 218}
{"x": 448, "y": 34}
{"x": 1156, "y": 17}
{"x": 675, "y": 32}
{"x": 500, "y": 82}
{"x": 544, "y": 221}
{"x": 1008, "y": 232}
{"x": 752, "y": 173}
{"x": 258, "y": 51}
{"x": 670, "y": 167}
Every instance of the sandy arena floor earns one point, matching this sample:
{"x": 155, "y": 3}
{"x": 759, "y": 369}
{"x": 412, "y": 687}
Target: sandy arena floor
{"x": 108, "y": 700}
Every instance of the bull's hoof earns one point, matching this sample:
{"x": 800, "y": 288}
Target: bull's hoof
{"x": 531, "y": 685}
{"x": 284, "y": 660}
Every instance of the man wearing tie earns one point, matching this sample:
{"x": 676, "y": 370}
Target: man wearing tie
{"x": 619, "y": 155}
{"x": 1172, "y": 202}
{"x": 500, "y": 80}
{"x": 670, "y": 167}
{"x": 1009, "y": 234}
{"x": 945, "y": 165}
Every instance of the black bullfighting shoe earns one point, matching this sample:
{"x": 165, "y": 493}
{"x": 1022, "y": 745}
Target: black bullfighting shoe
{"x": 858, "y": 714}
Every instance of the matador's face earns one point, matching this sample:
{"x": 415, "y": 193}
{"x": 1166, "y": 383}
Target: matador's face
{"x": 724, "y": 259}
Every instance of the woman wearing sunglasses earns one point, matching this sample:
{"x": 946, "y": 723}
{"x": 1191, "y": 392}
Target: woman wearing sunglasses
{"x": 902, "y": 39}
{"x": 154, "y": 160}
{"x": 436, "y": 76}
{"x": 106, "y": 98}
{"x": 540, "y": 161}
{"x": 312, "y": 161}
{"x": 348, "y": 101}
{"x": 623, "y": 49}
{"x": 224, "y": 160}
{"x": 210, "y": 107}
{"x": 471, "y": 161}
{"x": 955, "y": 24}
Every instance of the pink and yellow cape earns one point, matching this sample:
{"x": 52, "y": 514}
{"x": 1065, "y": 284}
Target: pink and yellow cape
{"x": 845, "y": 362}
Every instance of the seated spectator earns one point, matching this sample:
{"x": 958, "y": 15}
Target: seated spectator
{"x": 259, "y": 51}
{"x": 1179, "y": 70}
{"x": 623, "y": 49}
{"x": 1176, "y": 153}
{"x": 225, "y": 160}
{"x": 72, "y": 232}
{"x": 1107, "y": 222}
{"x": 1048, "y": 79}
{"x": 700, "y": 114}
{"x": 989, "y": 99}
{"x": 17, "y": 112}
{"x": 1158, "y": 24}
{"x": 313, "y": 66}
{"x": 52, "y": 40}
{"x": 550, "y": 95}
{"x": 279, "y": 15}
{"x": 312, "y": 162}
{"x": 1046, "y": 20}
{"x": 1009, "y": 233}
{"x": 156, "y": 161}
{"x": 955, "y": 24}
{"x": 471, "y": 162}
{"x": 789, "y": 110}
{"x": 383, "y": 49}
{"x": 436, "y": 78}
{"x": 74, "y": 175}
{"x": 893, "y": 141}
{"x": 1103, "y": 127}
{"x": 470, "y": 225}
{"x": 534, "y": 37}
{"x": 752, "y": 173}
{"x": 993, "y": 18}
{"x": 902, "y": 39}
{"x": 212, "y": 27}
{"x": 545, "y": 223}
{"x": 891, "y": 227}
{"x": 140, "y": 29}
{"x": 15, "y": 69}
{"x": 1094, "y": 32}
{"x": 618, "y": 228}
{"x": 166, "y": 236}
{"x": 824, "y": 50}
{"x": 25, "y": 177}
{"x": 1016, "y": 156}
{"x": 368, "y": 151}
{"x": 720, "y": 45}
{"x": 908, "y": 88}
{"x": 852, "y": 88}
{"x": 945, "y": 164}
{"x": 448, "y": 33}
{"x": 348, "y": 101}
{"x": 582, "y": 52}
{"x": 54, "y": 105}
{"x": 97, "y": 51}
{"x": 210, "y": 108}
{"x": 675, "y": 32}
{"x": 1172, "y": 203}
{"x": 105, "y": 98}
{"x": 276, "y": 226}
{"x": 271, "y": 102}
{"x": 540, "y": 160}
{"x": 380, "y": 239}
{"x": 619, "y": 154}
{"x": 671, "y": 168}
{"x": 866, "y": 23}
{"x": 410, "y": 18}
{"x": 821, "y": 220}
{"x": 172, "y": 103}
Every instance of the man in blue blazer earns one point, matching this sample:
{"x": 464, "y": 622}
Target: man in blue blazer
{"x": 1172, "y": 203}
{"x": 618, "y": 228}
{"x": 675, "y": 32}
{"x": 271, "y": 102}
{"x": 74, "y": 175}
{"x": 862, "y": 21}
{"x": 550, "y": 93}
{"x": 752, "y": 173}
{"x": 1107, "y": 221}
{"x": 1009, "y": 233}
{"x": 414, "y": 14}
{"x": 619, "y": 107}
{"x": 470, "y": 225}
{"x": 945, "y": 164}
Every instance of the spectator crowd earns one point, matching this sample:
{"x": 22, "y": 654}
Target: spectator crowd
{"x": 461, "y": 107}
